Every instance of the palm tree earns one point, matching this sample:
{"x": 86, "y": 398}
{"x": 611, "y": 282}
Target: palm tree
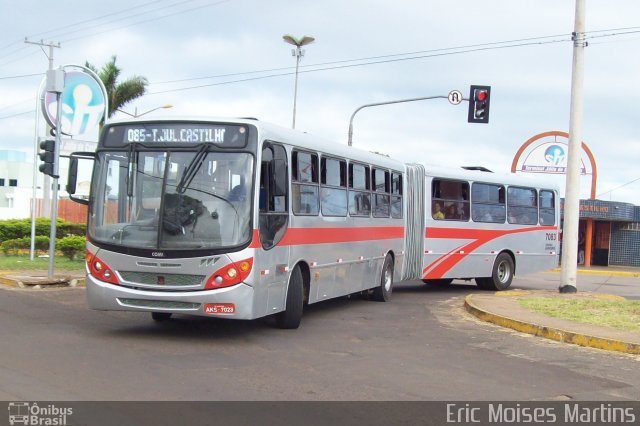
{"x": 121, "y": 93}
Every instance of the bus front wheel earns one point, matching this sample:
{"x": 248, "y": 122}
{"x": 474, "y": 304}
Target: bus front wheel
{"x": 292, "y": 315}
{"x": 501, "y": 275}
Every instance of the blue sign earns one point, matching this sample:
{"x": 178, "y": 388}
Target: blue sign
{"x": 83, "y": 103}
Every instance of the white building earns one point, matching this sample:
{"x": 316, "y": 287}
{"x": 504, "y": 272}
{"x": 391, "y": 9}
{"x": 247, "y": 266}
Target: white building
{"x": 16, "y": 184}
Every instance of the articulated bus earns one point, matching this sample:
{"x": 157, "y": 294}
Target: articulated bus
{"x": 242, "y": 219}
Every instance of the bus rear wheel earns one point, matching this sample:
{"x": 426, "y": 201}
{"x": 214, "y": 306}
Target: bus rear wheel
{"x": 501, "y": 275}
{"x": 292, "y": 315}
{"x": 160, "y": 316}
{"x": 382, "y": 293}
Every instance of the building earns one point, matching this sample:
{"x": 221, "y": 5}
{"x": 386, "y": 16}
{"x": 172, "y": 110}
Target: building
{"x": 615, "y": 238}
{"x": 16, "y": 177}
{"x": 16, "y": 189}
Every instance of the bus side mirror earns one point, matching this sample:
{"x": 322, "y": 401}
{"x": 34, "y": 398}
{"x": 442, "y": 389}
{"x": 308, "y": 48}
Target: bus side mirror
{"x": 278, "y": 181}
{"x": 87, "y": 159}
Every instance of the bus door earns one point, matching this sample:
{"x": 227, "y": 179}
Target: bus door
{"x": 273, "y": 260}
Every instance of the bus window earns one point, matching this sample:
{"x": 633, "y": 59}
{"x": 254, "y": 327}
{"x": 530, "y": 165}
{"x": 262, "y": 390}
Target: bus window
{"x": 547, "y": 208}
{"x": 334, "y": 187}
{"x": 359, "y": 196}
{"x": 274, "y": 215}
{"x": 488, "y": 203}
{"x": 522, "y": 206}
{"x": 381, "y": 186}
{"x": 453, "y": 196}
{"x": 304, "y": 175}
{"x": 396, "y": 195}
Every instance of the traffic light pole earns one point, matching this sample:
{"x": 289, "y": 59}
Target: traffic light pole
{"x": 350, "y": 139}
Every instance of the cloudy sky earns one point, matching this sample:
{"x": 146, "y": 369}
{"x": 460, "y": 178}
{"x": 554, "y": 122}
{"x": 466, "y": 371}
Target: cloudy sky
{"x": 227, "y": 58}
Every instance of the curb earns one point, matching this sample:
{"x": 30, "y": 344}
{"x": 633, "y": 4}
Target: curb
{"x": 556, "y": 334}
{"x": 627, "y": 274}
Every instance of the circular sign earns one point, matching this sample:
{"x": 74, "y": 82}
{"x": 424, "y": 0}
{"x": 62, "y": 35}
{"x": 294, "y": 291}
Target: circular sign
{"x": 83, "y": 103}
{"x": 455, "y": 97}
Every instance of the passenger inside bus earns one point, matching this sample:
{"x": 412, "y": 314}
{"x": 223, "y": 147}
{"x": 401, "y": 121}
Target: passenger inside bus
{"x": 437, "y": 211}
{"x": 452, "y": 212}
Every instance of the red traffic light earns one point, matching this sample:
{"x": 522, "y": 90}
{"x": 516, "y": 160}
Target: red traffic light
{"x": 479, "y": 98}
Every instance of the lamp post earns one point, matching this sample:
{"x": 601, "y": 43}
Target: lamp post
{"x": 298, "y": 53}
{"x": 135, "y": 112}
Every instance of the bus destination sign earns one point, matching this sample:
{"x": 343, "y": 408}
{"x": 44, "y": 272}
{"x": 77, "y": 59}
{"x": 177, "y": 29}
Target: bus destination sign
{"x": 177, "y": 133}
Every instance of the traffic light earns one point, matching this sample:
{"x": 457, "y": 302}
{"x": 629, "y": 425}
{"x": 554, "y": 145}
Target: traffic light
{"x": 48, "y": 155}
{"x": 479, "y": 98}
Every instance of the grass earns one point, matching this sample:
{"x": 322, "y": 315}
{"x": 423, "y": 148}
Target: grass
{"x": 22, "y": 263}
{"x": 619, "y": 314}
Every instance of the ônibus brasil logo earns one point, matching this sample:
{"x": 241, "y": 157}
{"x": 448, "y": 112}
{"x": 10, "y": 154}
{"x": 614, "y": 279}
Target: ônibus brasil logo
{"x": 30, "y": 413}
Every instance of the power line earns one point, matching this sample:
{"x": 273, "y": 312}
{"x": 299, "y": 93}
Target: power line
{"x": 136, "y": 22}
{"x": 97, "y": 18}
{"x": 24, "y": 101}
{"x": 9, "y": 77}
{"x": 82, "y": 29}
{"x": 440, "y": 52}
{"x": 15, "y": 115}
{"x": 618, "y": 187}
{"x": 360, "y": 59}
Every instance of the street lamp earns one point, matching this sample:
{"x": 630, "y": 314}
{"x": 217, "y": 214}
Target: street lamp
{"x": 298, "y": 53}
{"x": 135, "y": 112}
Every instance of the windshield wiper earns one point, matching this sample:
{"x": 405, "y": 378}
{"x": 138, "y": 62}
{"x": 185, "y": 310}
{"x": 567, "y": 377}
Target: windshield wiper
{"x": 191, "y": 169}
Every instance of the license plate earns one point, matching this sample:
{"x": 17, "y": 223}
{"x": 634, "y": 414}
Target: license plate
{"x": 220, "y": 308}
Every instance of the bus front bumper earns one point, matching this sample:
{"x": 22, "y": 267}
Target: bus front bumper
{"x": 232, "y": 302}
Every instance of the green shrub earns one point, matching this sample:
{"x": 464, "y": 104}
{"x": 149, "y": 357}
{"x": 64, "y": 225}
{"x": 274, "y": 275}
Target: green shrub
{"x": 16, "y": 244}
{"x": 70, "y": 246}
{"x": 21, "y": 228}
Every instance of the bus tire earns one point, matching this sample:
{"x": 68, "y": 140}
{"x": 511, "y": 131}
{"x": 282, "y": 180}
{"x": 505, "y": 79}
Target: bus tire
{"x": 442, "y": 282}
{"x": 292, "y": 314}
{"x": 160, "y": 316}
{"x": 502, "y": 275}
{"x": 382, "y": 293}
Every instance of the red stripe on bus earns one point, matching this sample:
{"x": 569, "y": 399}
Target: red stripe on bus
{"x": 302, "y": 236}
{"x": 445, "y": 263}
{"x": 474, "y": 234}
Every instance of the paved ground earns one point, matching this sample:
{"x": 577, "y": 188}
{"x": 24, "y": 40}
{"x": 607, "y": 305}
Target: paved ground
{"x": 422, "y": 345}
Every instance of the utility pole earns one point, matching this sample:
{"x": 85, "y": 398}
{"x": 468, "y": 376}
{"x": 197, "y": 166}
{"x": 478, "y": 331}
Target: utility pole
{"x": 46, "y": 185}
{"x": 569, "y": 266}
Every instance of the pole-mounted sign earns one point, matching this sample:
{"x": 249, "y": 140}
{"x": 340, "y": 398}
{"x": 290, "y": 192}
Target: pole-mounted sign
{"x": 84, "y": 102}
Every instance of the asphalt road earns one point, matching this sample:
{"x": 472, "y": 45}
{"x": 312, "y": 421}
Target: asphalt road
{"x": 420, "y": 346}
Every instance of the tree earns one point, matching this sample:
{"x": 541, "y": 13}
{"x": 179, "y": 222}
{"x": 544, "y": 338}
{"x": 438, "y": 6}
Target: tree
{"x": 119, "y": 93}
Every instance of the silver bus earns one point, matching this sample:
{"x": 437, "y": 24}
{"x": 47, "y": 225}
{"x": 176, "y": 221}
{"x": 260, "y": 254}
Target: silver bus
{"x": 242, "y": 219}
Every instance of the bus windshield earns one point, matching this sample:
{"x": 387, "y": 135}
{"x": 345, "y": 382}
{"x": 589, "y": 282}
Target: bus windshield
{"x": 172, "y": 200}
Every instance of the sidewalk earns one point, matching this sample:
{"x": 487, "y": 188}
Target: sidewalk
{"x": 503, "y": 309}
{"x": 612, "y": 271}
